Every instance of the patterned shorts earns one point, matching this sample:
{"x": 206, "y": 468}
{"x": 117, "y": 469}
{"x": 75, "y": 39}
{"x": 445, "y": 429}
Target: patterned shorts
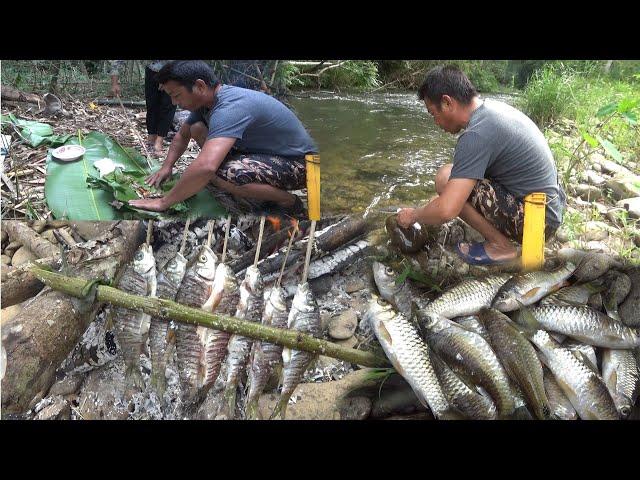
{"x": 502, "y": 209}
{"x": 285, "y": 173}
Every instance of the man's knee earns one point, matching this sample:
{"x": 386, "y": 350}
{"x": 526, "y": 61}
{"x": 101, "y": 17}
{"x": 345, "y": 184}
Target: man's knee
{"x": 199, "y": 133}
{"x": 442, "y": 176}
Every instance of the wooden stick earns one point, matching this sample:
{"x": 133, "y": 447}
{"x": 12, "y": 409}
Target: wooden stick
{"x": 210, "y": 236}
{"x": 184, "y": 235}
{"x": 226, "y": 238}
{"x": 307, "y": 258}
{"x": 284, "y": 263}
{"x": 149, "y": 230}
{"x": 144, "y": 146}
{"x": 255, "y": 260}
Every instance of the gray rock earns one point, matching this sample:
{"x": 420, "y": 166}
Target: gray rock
{"x": 596, "y": 167}
{"x": 623, "y": 188}
{"x": 9, "y": 313}
{"x": 629, "y": 309}
{"x": 595, "y": 301}
{"x": 5, "y": 235}
{"x": 92, "y": 230}
{"x": 58, "y": 409}
{"x": 354, "y": 285}
{"x": 344, "y": 325}
{"x": 632, "y": 205}
{"x": 49, "y": 235}
{"x": 22, "y": 255}
{"x": 593, "y": 178}
{"x": 613, "y": 167}
{"x": 355, "y": 408}
{"x": 586, "y": 192}
{"x": 563, "y": 234}
{"x": 6, "y": 260}
{"x": 350, "y": 342}
{"x": 595, "y": 231}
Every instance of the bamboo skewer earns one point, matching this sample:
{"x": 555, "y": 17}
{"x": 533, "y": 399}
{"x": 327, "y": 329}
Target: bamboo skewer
{"x": 184, "y": 235}
{"x": 149, "y": 230}
{"x": 284, "y": 263}
{"x": 255, "y": 260}
{"x": 210, "y": 235}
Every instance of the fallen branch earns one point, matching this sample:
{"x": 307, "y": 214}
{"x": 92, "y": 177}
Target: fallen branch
{"x": 19, "y": 231}
{"x": 9, "y": 93}
{"x": 19, "y": 284}
{"x": 126, "y": 103}
{"x": 167, "y": 309}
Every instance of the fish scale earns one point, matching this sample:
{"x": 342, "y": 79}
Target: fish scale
{"x": 467, "y": 400}
{"x": 584, "y": 388}
{"x": 409, "y": 355}
{"x": 169, "y": 280}
{"x": 139, "y": 278}
{"x": 574, "y": 295}
{"x": 561, "y": 407}
{"x": 304, "y": 316}
{"x": 266, "y": 355}
{"x": 467, "y": 298}
{"x": 468, "y": 354}
{"x": 397, "y": 295}
{"x": 584, "y": 324}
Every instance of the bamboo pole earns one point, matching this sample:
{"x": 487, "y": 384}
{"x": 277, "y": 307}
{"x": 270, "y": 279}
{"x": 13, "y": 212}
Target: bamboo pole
{"x": 167, "y": 309}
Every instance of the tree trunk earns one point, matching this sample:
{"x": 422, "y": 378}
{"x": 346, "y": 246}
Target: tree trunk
{"x": 11, "y": 94}
{"x": 41, "y": 336}
{"x": 21, "y": 232}
{"x": 19, "y": 284}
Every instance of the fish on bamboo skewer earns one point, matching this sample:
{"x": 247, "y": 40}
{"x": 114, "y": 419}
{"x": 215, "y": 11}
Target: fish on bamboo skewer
{"x": 249, "y": 308}
{"x": 195, "y": 291}
{"x": 131, "y": 327}
{"x": 304, "y": 317}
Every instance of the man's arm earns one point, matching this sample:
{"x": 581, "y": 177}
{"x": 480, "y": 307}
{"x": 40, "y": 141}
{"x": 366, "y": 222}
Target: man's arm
{"x": 195, "y": 177}
{"x": 178, "y": 146}
{"x": 443, "y": 208}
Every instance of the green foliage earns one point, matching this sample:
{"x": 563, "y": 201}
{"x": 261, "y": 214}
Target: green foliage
{"x": 35, "y": 133}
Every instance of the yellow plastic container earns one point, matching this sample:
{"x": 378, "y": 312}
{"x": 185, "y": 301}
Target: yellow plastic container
{"x": 533, "y": 231}
{"x": 313, "y": 186}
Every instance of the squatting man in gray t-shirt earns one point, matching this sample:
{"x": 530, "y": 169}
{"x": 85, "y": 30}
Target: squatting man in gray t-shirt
{"x": 252, "y": 145}
{"x": 500, "y": 158}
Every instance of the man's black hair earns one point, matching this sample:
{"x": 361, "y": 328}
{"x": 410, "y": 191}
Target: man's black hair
{"x": 447, "y": 80}
{"x": 186, "y": 72}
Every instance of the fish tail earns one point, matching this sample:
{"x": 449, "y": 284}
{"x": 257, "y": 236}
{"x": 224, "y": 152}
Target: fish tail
{"x": 251, "y": 411}
{"x": 281, "y": 406}
{"x": 228, "y": 407}
{"x": 134, "y": 377}
{"x": 159, "y": 381}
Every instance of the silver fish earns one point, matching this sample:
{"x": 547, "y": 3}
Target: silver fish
{"x": 472, "y": 323}
{"x": 585, "y": 389}
{"x": 518, "y": 357}
{"x": 239, "y": 347}
{"x": 195, "y": 291}
{"x": 409, "y": 355}
{"x": 576, "y": 295}
{"x": 469, "y": 355}
{"x": 465, "y": 398}
{"x": 584, "y": 324}
{"x": 397, "y": 295}
{"x": 169, "y": 280}
{"x": 584, "y": 351}
{"x": 622, "y": 377}
{"x": 132, "y": 327}
{"x": 304, "y": 317}
{"x": 561, "y": 407}
{"x": 528, "y": 288}
{"x": 266, "y": 355}
{"x": 467, "y": 298}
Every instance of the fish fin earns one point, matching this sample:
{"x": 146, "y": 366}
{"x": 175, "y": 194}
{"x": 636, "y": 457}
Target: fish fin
{"x": 531, "y": 293}
{"x": 611, "y": 308}
{"x": 385, "y": 334}
{"x": 526, "y": 320}
{"x": 584, "y": 359}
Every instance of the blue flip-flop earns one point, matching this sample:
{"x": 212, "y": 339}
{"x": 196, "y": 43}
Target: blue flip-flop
{"x": 477, "y": 255}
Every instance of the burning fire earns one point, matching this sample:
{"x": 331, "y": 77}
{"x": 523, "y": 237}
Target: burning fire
{"x": 275, "y": 222}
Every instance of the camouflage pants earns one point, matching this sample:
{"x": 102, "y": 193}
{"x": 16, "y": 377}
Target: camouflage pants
{"x": 285, "y": 173}
{"x": 502, "y": 209}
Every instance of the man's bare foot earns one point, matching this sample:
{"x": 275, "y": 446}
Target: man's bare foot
{"x": 495, "y": 252}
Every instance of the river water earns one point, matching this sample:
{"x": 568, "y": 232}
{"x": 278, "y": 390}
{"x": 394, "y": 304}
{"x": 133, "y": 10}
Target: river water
{"x": 377, "y": 151}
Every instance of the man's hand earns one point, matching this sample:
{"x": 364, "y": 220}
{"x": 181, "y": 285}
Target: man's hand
{"x": 153, "y": 204}
{"x": 157, "y": 178}
{"x": 407, "y": 217}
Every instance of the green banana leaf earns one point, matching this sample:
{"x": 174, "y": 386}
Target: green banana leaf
{"x": 75, "y": 191}
{"x": 35, "y": 133}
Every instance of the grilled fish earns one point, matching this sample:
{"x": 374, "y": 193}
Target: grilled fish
{"x": 195, "y": 291}
{"x": 622, "y": 377}
{"x": 304, "y": 317}
{"x": 239, "y": 347}
{"x": 584, "y": 387}
{"x": 584, "y": 324}
{"x": 266, "y": 355}
{"x": 467, "y": 298}
{"x": 397, "y": 295}
{"x": 528, "y": 288}
{"x": 169, "y": 280}
{"x": 132, "y": 327}
{"x": 409, "y": 355}
{"x": 518, "y": 357}
{"x": 469, "y": 355}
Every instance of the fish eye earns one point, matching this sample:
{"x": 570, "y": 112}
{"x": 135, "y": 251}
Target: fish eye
{"x": 203, "y": 258}
{"x": 139, "y": 255}
{"x": 625, "y": 411}
{"x": 389, "y": 270}
{"x": 172, "y": 263}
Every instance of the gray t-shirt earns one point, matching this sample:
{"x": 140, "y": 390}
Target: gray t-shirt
{"x": 259, "y": 122}
{"x": 503, "y": 144}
